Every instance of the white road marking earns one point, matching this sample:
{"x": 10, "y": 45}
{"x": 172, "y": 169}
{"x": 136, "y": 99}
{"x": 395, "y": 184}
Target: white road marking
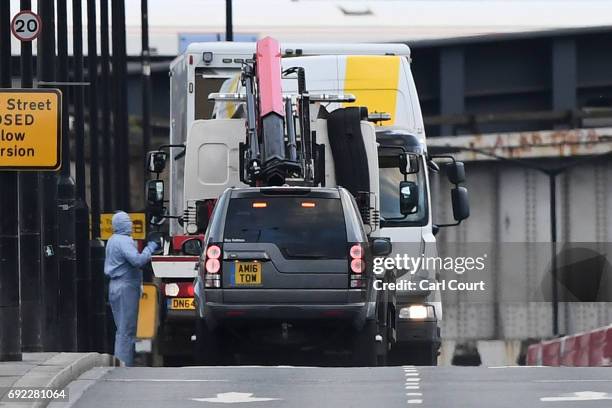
{"x": 157, "y": 380}
{"x": 535, "y": 366}
{"x": 562, "y": 381}
{"x": 234, "y": 398}
{"x": 412, "y": 383}
{"x": 579, "y": 396}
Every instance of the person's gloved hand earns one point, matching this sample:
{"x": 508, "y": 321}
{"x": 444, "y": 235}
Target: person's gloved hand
{"x": 153, "y": 246}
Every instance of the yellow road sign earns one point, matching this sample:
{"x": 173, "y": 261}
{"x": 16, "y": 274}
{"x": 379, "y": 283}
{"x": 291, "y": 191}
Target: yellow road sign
{"x": 147, "y": 312}
{"x": 30, "y": 129}
{"x": 139, "y": 223}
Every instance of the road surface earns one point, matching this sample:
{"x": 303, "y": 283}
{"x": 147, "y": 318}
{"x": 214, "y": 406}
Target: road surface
{"x": 387, "y": 387}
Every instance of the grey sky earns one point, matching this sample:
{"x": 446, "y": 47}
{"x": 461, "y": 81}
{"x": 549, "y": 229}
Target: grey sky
{"x": 357, "y": 20}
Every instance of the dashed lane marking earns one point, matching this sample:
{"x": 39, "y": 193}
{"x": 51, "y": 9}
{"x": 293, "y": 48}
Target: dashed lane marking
{"x": 412, "y": 383}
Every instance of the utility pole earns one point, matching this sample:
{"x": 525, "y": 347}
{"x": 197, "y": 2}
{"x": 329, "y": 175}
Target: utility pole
{"x": 48, "y": 194}
{"x": 96, "y": 245}
{"x": 10, "y": 314}
{"x": 65, "y": 201}
{"x": 30, "y": 240}
{"x": 229, "y": 24}
{"x": 120, "y": 123}
{"x": 146, "y": 84}
{"x": 81, "y": 211}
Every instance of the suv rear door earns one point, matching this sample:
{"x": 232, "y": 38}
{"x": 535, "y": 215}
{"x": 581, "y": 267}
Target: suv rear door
{"x": 285, "y": 241}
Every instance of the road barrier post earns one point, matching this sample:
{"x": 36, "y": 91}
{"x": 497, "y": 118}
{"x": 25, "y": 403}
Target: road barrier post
{"x": 30, "y": 237}
{"x": 98, "y": 290}
{"x": 146, "y": 85}
{"x": 120, "y": 122}
{"x": 106, "y": 125}
{"x": 66, "y": 201}
{"x": 83, "y": 280}
{"x": 10, "y": 313}
{"x": 48, "y": 193}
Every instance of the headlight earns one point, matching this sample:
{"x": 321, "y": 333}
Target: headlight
{"x": 416, "y": 312}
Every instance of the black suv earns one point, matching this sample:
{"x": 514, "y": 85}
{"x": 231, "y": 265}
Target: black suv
{"x": 287, "y": 268}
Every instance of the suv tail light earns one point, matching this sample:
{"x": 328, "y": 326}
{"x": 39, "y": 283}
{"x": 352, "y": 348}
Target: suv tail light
{"x": 212, "y": 266}
{"x": 357, "y": 266}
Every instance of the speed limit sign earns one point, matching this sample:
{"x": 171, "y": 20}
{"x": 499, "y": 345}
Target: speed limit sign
{"x": 26, "y": 25}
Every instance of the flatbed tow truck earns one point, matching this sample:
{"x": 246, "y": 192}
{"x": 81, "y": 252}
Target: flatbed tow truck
{"x": 342, "y": 115}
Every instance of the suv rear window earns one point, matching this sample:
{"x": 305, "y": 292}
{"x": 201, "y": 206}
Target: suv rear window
{"x": 301, "y": 227}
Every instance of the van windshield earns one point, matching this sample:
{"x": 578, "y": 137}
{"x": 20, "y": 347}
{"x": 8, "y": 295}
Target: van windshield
{"x": 301, "y": 227}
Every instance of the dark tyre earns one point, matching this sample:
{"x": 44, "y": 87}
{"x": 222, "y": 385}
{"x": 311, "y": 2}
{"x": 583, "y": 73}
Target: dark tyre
{"x": 207, "y": 345}
{"x": 364, "y": 345}
{"x": 415, "y": 354}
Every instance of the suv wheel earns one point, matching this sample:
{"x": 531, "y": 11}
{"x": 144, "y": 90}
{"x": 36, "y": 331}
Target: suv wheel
{"x": 364, "y": 345}
{"x": 207, "y": 345}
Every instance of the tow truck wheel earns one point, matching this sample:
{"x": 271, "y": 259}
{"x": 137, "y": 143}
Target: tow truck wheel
{"x": 416, "y": 354}
{"x": 207, "y": 345}
{"x": 364, "y": 345}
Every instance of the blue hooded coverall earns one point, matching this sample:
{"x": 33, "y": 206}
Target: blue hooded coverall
{"x": 122, "y": 266}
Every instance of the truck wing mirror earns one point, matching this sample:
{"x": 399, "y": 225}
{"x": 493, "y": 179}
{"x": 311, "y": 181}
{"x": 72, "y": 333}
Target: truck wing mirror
{"x": 409, "y": 197}
{"x": 461, "y": 204}
{"x": 455, "y": 172}
{"x": 192, "y": 246}
{"x": 381, "y": 246}
{"x": 156, "y": 161}
{"x": 155, "y": 193}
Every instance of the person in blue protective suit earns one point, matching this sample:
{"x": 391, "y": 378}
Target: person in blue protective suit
{"x": 122, "y": 266}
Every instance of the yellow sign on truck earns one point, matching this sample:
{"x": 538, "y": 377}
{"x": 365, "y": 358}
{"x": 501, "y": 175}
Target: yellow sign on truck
{"x": 30, "y": 129}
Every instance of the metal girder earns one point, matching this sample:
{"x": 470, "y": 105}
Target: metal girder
{"x": 533, "y": 144}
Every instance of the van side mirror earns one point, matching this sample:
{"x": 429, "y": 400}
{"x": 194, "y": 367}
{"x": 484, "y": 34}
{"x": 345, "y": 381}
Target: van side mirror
{"x": 155, "y": 193}
{"x": 455, "y": 172}
{"x": 156, "y": 161}
{"x": 381, "y": 246}
{"x": 461, "y": 204}
{"x": 192, "y": 246}
{"x": 409, "y": 197}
